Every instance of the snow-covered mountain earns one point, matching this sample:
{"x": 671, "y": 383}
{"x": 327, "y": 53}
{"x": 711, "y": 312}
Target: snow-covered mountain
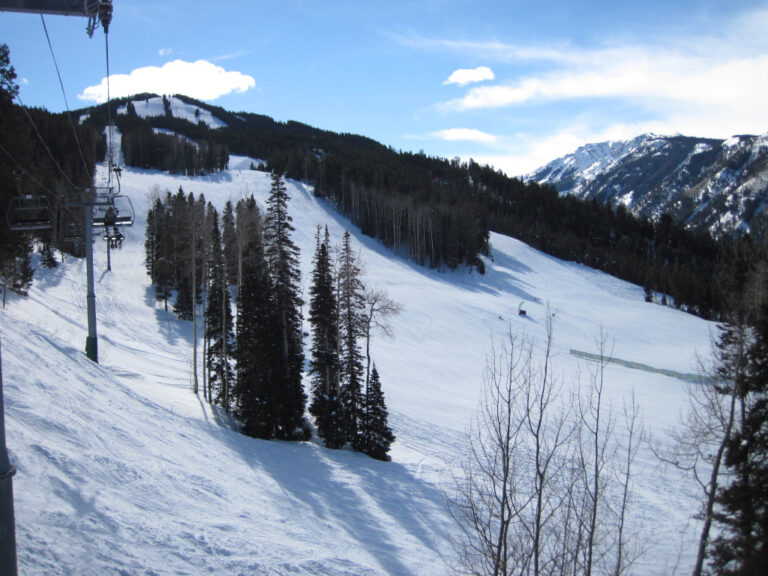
{"x": 156, "y": 106}
{"x": 122, "y": 470}
{"x": 717, "y": 185}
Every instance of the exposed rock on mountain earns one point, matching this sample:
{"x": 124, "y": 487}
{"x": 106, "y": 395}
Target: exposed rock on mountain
{"x": 717, "y": 185}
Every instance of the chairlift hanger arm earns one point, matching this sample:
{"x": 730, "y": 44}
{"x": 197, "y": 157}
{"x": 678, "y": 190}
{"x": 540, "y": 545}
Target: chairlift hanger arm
{"x": 85, "y": 8}
{"x": 95, "y": 10}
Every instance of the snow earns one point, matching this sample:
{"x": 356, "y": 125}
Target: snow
{"x": 122, "y": 470}
{"x": 153, "y": 106}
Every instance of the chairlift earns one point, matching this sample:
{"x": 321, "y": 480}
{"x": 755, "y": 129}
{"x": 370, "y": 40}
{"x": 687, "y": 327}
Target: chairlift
{"x": 113, "y": 210}
{"x": 30, "y": 213}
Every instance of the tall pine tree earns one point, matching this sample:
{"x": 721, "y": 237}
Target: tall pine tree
{"x": 324, "y": 365}
{"x": 351, "y": 300}
{"x": 219, "y": 326}
{"x": 229, "y": 238}
{"x": 256, "y": 341}
{"x": 282, "y": 258}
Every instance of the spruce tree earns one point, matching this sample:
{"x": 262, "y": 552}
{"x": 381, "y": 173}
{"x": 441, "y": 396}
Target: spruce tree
{"x": 324, "y": 365}
{"x": 219, "y": 329}
{"x": 376, "y": 434}
{"x": 351, "y": 301}
{"x": 183, "y": 305}
{"x": 229, "y": 238}
{"x": 282, "y": 259}
{"x": 256, "y": 339}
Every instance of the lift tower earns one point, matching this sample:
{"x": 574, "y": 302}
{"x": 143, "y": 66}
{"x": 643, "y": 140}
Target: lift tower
{"x": 97, "y": 12}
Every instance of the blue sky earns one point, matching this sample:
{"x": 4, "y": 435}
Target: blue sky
{"x": 511, "y": 83}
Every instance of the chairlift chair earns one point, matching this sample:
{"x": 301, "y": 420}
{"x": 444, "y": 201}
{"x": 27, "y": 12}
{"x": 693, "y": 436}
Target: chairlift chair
{"x": 30, "y": 213}
{"x": 113, "y": 210}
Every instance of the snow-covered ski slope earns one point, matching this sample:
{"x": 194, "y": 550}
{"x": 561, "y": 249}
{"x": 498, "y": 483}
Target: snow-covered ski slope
{"x": 122, "y": 470}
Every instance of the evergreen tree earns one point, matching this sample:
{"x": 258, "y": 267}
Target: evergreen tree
{"x": 376, "y": 434}
{"x": 15, "y": 248}
{"x": 351, "y": 301}
{"x": 219, "y": 329}
{"x": 742, "y": 547}
{"x": 229, "y": 238}
{"x": 324, "y": 365}
{"x": 256, "y": 340}
{"x": 183, "y": 305}
{"x": 282, "y": 259}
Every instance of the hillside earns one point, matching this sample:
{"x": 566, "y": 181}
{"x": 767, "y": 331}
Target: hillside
{"x": 123, "y": 470}
{"x": 720, "y": 186}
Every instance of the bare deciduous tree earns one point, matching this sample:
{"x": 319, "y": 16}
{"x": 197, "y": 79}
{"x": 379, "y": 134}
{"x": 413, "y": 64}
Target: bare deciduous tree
{"x": 545, "y": 488}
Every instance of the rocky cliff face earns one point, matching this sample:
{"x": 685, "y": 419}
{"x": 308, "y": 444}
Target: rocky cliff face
{"x": 717, "y": 185}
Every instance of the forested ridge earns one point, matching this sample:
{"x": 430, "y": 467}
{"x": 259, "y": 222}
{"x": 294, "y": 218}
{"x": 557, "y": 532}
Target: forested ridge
{"x": 437, "y": 212}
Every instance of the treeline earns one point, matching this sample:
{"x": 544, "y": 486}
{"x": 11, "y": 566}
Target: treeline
{"x": 42, "y": 155}
{"x": 254, "y": 358}
{"x": 676, "y": 266}
{"x": 722, "y": 441}
{"x": 440, "y": 212}
{"x": 169, "y": 144}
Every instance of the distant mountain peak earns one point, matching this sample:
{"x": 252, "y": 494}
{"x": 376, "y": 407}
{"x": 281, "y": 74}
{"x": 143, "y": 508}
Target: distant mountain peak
{"x": 705, "y": 183}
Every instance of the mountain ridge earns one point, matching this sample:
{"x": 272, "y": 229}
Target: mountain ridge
{"x": 717, "y": 185}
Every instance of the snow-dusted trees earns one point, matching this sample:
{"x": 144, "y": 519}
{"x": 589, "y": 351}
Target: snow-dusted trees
{"x": 534, "y": 495}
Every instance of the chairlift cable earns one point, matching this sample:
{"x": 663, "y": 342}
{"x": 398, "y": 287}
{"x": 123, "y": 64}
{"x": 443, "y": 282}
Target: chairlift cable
{"x": 42, "y": 141}
{"x": 26, "y": 173}
{"x": 110, "y": 131}
{"x": 64, "y": 94}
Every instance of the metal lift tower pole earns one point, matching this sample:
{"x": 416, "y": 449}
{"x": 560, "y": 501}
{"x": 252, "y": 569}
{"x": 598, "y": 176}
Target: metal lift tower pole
{"x": 91, "y": 342}
{"x": 96, "y": 11}
{"x": 7, "y": 521}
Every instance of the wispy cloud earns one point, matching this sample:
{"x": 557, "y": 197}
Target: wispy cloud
{"x": 490, "y": 50}
{"x": 464, "y": 76}
{"x": 655, "y": 76}
{"x": 164, "y": 51}
{"x": 467, "y": 134}
{"x": 230, "y": 56}
{"x": 200, "y": 79}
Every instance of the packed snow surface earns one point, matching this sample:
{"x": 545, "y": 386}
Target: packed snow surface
{"x": 153, "y": 106}
{"x": 123, "y": 470}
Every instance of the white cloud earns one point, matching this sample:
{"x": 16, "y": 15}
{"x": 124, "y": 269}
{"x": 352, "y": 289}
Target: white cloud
{"x": 464, "y": 76}
{"x": 699, "y": 94}
{"x": 164, "y": 51}
{"x": 456, "y": 134}
{"x": 201, "y": 79}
